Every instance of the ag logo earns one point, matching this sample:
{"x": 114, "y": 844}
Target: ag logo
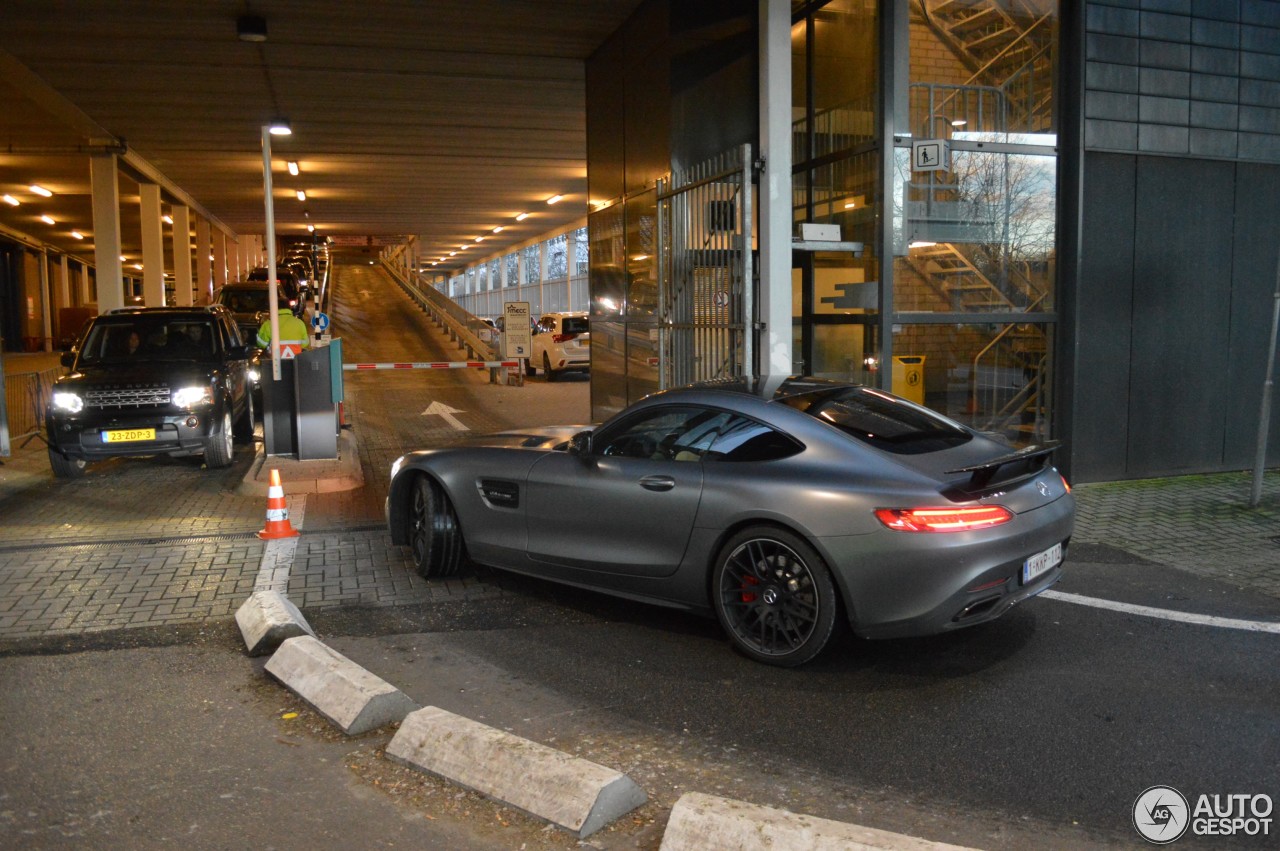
{"x": 1161, "y": 815}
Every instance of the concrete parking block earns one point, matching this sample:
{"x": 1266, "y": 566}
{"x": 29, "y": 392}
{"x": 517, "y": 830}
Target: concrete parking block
{"x": 267, "y": 619}
{"x": 702, "y": 822}
{"x": 339, "y": 689}
{"x": 569, "y": 792}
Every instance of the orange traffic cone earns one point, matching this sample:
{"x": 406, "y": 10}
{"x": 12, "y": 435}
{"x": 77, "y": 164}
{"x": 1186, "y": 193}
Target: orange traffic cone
{"x": 278, "y": 525}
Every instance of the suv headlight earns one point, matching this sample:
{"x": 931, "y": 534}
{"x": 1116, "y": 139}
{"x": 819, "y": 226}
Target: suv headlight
{"x": 69, "y": 402}
{"x": 189, "y": 397}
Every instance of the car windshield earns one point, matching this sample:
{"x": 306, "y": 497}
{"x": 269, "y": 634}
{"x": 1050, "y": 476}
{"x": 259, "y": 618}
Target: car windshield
{"x": 881, "y": 420}
{"x": 140, "y": 339}
{"x": 246, "y": 301}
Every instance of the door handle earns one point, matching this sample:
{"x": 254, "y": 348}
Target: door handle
{"x": 657, "y": 483}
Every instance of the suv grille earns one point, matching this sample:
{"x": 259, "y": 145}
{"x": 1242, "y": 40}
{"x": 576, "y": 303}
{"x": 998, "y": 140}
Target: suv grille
{"x": 128, "y": 397}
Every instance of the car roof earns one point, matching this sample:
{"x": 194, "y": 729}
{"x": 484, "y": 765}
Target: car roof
{"x": 770, "y": 388}
{"x": 194, "y": 310}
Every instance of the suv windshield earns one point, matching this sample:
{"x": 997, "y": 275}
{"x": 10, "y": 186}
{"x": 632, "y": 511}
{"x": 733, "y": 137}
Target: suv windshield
{"x": 881, "y": 420}
{"x": 246, "y": 300}
{"x": 147, "y": 339}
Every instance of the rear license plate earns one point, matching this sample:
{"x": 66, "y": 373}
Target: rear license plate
{"x": 126, "y": 435}
{"x": 1041, "y": 562}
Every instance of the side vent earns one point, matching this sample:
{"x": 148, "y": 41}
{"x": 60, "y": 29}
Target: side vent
{"x": 500, "y": 494}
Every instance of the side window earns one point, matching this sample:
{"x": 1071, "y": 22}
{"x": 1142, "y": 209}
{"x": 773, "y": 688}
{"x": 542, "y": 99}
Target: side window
{"x": 748, "y": 440}
{"x": 681, "y": 433}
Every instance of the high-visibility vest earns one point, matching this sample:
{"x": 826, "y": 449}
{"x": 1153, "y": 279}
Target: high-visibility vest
{"x": 293, "y": 335}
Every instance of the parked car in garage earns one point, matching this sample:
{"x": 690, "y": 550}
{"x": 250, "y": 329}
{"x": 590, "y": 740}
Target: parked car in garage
{"x": 250, "y": 303}
{"x": 561, "y": 343}
{"x": 788, "y": 508}
{"x": 288, "y": 280}
{"x": 152, "y": 381}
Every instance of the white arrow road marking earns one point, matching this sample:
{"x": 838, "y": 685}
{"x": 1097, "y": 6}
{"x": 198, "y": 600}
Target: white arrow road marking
{"x": 447, "y": 413}
{"x": 1166, "y": 614}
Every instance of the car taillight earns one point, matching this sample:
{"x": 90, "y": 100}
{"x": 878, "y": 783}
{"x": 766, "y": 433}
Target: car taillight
{"x": 562, "y": 338}
{"x": 943, "y": 519}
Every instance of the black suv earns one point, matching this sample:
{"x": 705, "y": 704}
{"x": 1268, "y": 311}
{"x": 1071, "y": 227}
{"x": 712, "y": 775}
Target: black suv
{"x": 152, "y": 381}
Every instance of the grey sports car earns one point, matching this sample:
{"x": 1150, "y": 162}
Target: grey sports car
{"x": 788, "y": 507}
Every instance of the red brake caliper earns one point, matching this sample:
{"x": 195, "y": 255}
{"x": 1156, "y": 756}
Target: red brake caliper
{"x": 747, "y": 581}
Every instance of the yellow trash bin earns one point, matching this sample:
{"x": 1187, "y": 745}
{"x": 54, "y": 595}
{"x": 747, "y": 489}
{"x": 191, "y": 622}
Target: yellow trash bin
{"x": 908, "y": 377}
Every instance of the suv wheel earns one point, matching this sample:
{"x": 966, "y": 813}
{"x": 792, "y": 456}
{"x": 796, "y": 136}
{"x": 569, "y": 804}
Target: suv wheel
{"x": 218, "y": 454}
{"x": 64, "y": 467}
{"x": 244, "y": 425}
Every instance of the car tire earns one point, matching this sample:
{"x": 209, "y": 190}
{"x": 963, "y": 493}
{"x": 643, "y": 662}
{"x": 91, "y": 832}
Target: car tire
{"x": 435, "y": 539}
{"x": 546, "y": 365}
{"x": 774, "y": 596}
{"x": 244, "y": 426}
{"x": 64, "y": 467}
{"x": 219, "y": 451}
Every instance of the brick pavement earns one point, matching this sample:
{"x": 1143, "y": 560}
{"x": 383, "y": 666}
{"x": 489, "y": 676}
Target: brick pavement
{"x": 156, "y": 542}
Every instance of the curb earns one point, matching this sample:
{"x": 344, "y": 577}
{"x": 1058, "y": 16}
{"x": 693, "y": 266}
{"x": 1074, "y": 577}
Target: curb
{"x": 267, "y": 619}
{"x": 573, "y": 793}
{"x": 701, "y": 822}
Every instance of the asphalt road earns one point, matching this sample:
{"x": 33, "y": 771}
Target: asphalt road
{"x": 1038, "y": 730}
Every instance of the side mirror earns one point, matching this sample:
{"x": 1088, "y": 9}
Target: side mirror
{"x": 68, "y": 359}
{"x": 580, "y": 443}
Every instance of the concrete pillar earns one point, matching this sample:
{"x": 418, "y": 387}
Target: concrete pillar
{"x": 181, "y": 215}
{"x": 86, "y": 287}
{"x": 46, "y": 303}
{"x": 106, "y": 231}
{"x": 204, "y": 262}
{"x": 570, "y": 255}
{"x": 64, "y": 283}
{"x": 220, "y": 259}
{"x": 152, "y": 245}
{"x": 774, "y": 309}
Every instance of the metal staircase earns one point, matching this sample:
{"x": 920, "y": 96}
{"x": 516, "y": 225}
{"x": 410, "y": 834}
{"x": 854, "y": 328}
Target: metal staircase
{"x": 1007, "y": 44}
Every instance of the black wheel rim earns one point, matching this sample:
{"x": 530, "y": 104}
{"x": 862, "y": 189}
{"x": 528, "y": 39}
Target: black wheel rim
{"x": 422, "y": 530}
{"x": 768, "y": 597}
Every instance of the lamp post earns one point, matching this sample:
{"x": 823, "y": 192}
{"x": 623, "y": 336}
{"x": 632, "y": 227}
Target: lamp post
{"x": 278, "y": 127}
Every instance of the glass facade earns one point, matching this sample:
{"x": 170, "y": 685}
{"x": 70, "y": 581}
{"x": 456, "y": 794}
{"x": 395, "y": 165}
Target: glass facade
{"x": 953, "y": 305}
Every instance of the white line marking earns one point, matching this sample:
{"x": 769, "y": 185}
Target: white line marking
{"x": 1166, "y": 614}
{"x": 277, "y": 557}
{"x": 447, "y": 413}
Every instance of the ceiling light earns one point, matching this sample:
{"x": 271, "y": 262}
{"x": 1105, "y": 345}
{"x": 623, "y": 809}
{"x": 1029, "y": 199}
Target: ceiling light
{"x": 311, "y": 228}
{"x": 9, "y": 199}
{"x": 522, "y": 217}
{"x": 959, "y": 122}
{"x": 293, "y": 168}
{"x": 75, "y": 234}
{"x": 48, "y": 220}
{"x": 168, "y": 220}
{"x": 280, "y": 127}
{"x": 137, "y": 265}
{"x": 251, "y": 28}
{"x": 498, "y": 229}
{"x": 122, "y": 258}
{"x": 302, "y": 196}
{"x": 849, "y": 206}
{"x": 40, "y": 190}
{"x": 479, "y": 239}
{"x": 554, "y": 198}
{"x": 453, "y": 254}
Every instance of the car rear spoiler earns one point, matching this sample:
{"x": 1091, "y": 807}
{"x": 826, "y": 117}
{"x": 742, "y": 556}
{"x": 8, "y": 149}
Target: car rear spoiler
{"x": 981, "y": 475}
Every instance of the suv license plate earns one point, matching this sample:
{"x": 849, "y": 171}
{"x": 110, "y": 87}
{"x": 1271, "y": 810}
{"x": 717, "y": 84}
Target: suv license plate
{"x": 125, "y": 435}
{"x": 1041, "y": 562}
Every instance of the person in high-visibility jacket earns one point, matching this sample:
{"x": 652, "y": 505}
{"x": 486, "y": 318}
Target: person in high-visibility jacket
{"x": 293, "y": 335}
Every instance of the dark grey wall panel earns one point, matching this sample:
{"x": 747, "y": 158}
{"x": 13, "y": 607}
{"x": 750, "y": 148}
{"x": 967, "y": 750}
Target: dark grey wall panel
{"x": 1104, "y": 316}
{"x": 1191, "y": 60}
{"x": 1253, "y": 282}
{"x": 1182, "y": 314}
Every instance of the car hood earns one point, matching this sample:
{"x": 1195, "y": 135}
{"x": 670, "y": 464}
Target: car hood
{"x": 173, "y": 373}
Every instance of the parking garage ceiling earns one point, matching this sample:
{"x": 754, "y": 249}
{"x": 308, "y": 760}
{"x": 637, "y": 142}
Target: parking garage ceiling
{"x": 440, "y": 118}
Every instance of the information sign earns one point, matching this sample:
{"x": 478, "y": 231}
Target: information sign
{"x": 516, "y": 332}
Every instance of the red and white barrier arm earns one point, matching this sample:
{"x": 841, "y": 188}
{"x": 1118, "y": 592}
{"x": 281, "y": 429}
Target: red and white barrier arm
{"x": 455, "y": 364}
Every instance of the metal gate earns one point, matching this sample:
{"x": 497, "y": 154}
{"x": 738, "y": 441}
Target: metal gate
{"x": 705, "y": 273}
